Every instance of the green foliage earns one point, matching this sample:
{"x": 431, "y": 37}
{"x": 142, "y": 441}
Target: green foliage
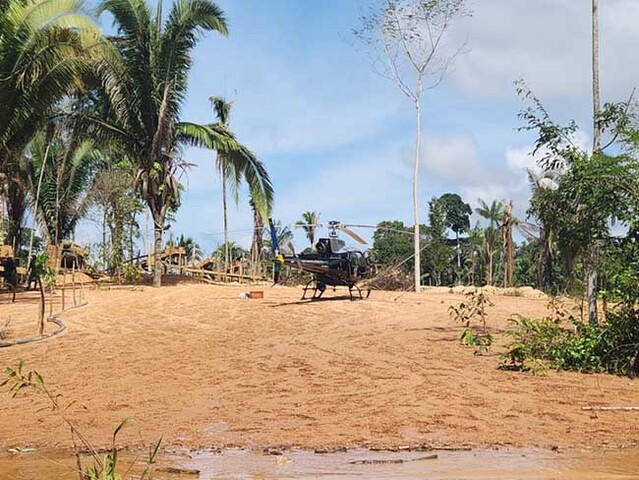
{"x": 526, "y": 259}
{"x": 192, "y": 250}
{"x": 456, "y": 212}
{"x": 612, "y": 347}
{"x": 131, "y": 273}
{"x": 239, "y": 163}
{"x": 534, "y": 340}
{"x": 67, "y": 168}
{"x": 491, "y": 238}
{"x": 309, "y": 225}
{"x": 392, "y": 244}
{"x": 114, "y": 193}
{"x": 472, "y": 315}
{"x": 579, "y": 195}
{"x": 235, "y": 252}
{"x": 44, "y": 48}
{"x": 284, "y": 237}
{"x": 144, "y": 85}
{"x": 620, "y": 266}
{"x": 437, "y": 260}
{"x": 44, "y": 270}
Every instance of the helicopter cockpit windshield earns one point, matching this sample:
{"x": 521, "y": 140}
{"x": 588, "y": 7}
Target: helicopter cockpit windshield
{"x": 329, "y": 246}
{"x": 337, "y": 244}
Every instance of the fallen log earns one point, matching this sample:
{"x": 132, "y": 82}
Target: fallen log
{"x": 179, "y": 471}
{"x": 393, "y": 460}
{"x": 612, "y": 409}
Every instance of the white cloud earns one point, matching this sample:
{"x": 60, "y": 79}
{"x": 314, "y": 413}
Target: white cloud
{"x": 547, "y": 42}
{"x": 453, "y": 159}
{"x": 520, "y": 158}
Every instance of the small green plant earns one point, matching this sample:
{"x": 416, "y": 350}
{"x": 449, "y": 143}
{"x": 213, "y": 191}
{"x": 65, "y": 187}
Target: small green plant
{"x": 472, "y": 315}
{"x": 104, "y": 466}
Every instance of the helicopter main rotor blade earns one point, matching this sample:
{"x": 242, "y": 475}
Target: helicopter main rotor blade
{"x": 352, "y": 234}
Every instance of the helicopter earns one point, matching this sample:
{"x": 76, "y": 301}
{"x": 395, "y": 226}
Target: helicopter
{"x": 330, "y": 264}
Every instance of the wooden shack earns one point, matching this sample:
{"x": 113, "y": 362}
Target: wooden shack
{"x": 67, "y": 256}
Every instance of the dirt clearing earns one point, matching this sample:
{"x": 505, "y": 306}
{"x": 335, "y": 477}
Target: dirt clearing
{"x": 201, "y": 367}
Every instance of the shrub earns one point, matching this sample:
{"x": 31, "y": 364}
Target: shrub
{"x": 611, "y": 347}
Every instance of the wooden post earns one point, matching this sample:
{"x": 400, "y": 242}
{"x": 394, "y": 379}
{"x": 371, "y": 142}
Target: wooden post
{"x": 63, "y": 289}
{"x": 42, "y": 307}
{"x": 75, "y": 302}
{"x": 81, "y": 289}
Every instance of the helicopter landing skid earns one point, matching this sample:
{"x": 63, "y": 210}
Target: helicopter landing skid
{"x": 319, "y": 288}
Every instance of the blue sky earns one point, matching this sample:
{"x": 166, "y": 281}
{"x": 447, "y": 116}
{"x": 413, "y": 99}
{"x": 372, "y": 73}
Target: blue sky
{"x": 337, "y": 138}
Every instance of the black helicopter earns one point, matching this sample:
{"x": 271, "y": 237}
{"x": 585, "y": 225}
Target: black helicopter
{"x": 329, "y": 264}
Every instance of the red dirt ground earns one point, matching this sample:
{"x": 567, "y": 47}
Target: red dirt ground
{"x": 201, "y": 367}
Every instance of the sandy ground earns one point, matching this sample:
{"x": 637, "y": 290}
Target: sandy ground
{"x": 201, "y": 367}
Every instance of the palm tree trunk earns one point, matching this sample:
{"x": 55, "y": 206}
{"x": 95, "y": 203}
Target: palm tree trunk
{"x": 416, "y": 246}
{"x": 37, "y": 200}
{"x": 16, "y": 207}
{"x": 256, "y": 247}
{"x": 227, "y": 258}
{"x": 158, "y": 229}
{"x": 131, "y": 237}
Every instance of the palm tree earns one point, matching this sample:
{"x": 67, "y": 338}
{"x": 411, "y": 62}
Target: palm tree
{"x": 192, "y": 250}
{"x": 494, "y": 215}
{"x": 222, "y": 110}
{"x": 234, "y": 250}
{"x": 283, "y": 235}
{"x": 44, "y": 47}
{"x": 146, "y": 81}
{"x": 67, "y": 169}
{"x": 234, "y": 169}
{"x": 309, "y": 224}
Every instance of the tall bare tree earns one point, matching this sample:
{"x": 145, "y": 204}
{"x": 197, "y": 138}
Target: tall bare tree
{"x": 596, "y": 149}
{"x": 596, "y": 98}
{"x": 407, "y": 40}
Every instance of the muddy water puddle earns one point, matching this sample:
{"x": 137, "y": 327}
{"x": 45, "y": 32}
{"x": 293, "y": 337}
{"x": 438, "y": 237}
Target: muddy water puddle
{"x": 354, "y": 464}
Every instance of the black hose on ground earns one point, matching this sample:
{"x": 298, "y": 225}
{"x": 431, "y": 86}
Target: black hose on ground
{"x": 53, "y": 319}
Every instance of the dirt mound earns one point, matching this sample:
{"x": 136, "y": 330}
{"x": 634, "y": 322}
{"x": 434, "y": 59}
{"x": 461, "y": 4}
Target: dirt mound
{"x": 526, "y": 292}
{"x": 68, "y": 279}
